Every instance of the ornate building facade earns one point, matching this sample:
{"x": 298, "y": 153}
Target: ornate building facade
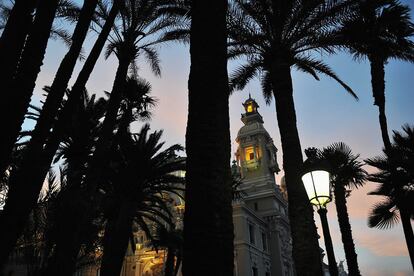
{"x": 262, "y": 234}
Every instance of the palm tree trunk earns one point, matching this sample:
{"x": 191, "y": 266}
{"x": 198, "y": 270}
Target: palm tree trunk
{"x": 11, "y": 45}
{"x": 169, "y": 263}
{"x": 306, "y": 252}
{"x": 17, "y": 92}
{"x": 63, "y": 75}
{"x": 116, "y": 241}
{"x": 14, "y": 35}
{"x": 79, "y": 86}
{"x": 378, "y": 92}
{"x": 346, "y": 232}
{"x": 105, "y": 138}
{"x": 408, "y": 233}
{"x": 17, "y": 207}
{"x": 208, "y": 231}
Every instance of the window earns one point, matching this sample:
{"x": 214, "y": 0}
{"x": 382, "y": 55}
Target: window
{"x": 249, "y": 153}
{"x": 264, "y": 241}
{"x": 254, "y": 271}
{"x": 268, "y": 273}
{"x": 251, "y": 234}
{"x": 256, "y": 206}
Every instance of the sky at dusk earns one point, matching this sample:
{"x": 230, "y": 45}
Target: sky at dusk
{"x": 325, "y": 114}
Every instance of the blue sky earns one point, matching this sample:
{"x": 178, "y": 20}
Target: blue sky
{"x": 325, "y": 114}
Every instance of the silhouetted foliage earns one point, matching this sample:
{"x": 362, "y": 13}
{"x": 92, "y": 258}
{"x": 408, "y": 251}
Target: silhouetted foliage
{"x": 346, "y": 173}
{"x": 395, "y": 177}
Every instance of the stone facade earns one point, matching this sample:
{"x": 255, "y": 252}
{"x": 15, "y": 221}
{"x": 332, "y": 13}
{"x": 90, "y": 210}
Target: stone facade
{"x": 262, "y": 235}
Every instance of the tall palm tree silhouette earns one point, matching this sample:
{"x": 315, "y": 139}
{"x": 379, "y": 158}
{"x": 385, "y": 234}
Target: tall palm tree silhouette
{"x": 346, "y": 173}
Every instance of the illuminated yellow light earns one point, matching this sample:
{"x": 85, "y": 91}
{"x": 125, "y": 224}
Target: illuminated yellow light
{"x": 249, "y": 153}
{"x": 250, "y": 107}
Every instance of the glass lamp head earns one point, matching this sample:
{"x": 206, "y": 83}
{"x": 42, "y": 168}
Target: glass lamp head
{"x": 318, "y": 187}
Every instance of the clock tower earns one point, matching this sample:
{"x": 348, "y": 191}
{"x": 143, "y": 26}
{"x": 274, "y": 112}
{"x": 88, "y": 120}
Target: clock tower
{"x": 262, "y": 234}
{"x": 256, "y": 153}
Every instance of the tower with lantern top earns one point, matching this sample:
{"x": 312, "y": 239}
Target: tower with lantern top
{"x": 262, "y": 233}
{"x": 256, "y": 154}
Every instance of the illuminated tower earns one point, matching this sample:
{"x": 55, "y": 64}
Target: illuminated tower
{"x": 256, "y": 153}
{"x": 262, "y": 235}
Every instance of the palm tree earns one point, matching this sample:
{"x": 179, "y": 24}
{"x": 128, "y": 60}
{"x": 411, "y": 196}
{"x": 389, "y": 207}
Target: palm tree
{"x": 37, "y": 163}
{"x": 208, "y": 211}
{"x": 346, "y": 173}
{"x": 64, "y": 72}
{"x": 49, "y": 112}
{"x": 395, "y": 186}
{"x": 381, "y": 30}
{"x": 77, "y": 148}
{"x": 274, "y": 37}
{"x": 138, "y": 194}
{"x": 140, "y": 28}
{"x": 24, "y": 83}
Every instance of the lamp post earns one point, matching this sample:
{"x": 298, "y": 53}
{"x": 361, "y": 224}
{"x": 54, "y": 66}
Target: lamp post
{"x": 315, "y": 178}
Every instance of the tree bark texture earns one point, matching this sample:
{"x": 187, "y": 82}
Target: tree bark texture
{"x": 208, "y": 231}
{"x": 306, "y": 254}
{"x": 346, "y": 232}
{"x": 14, "y": 35}
{"x": 11, "y": 45}
{"x": 378, "y": 92}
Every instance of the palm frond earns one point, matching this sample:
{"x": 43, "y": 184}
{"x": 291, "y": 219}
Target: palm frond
{"x": 153, "y": 59}
{"x": 312, "y": 66}
{"x": 267, "y": 89}
{"x": 383, "y": 215}
{"x": 243, "y": 74}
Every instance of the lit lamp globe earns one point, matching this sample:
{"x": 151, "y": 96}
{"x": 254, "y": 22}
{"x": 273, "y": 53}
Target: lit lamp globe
{"x": 318, "y": 187}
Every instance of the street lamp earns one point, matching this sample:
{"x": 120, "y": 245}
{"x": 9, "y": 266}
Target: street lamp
{"x": 317, "y": 184}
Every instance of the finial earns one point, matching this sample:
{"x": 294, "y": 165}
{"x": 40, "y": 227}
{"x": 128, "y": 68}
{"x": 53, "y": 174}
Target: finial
{"x": 250, "y": 96}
